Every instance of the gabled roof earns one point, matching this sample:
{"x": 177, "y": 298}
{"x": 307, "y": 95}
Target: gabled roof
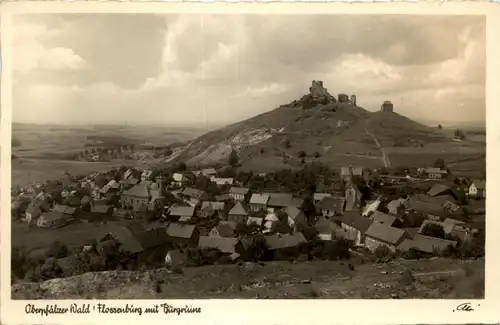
{"x": 192, "y": 192}
{"x": 447, "y": 227}
{"x": 64, "y": 209}
{"x": 178, "y": 230}
{"x": 394, "y": 204}
{"x": 239, "y": 190}
{"x": 100, "y": 208}
{"x": 280, "y": 241}
{"x": 259, "y": 198}
{"x": 320, "y": 196}
{"x": 214, "y": 204}
{"x": 238, "y": 209}
{"x": 438, "y": 189}
{"x": 297, "y": 202}
{"x": 331, "y": 203}
{"x": 139, "y": 190}
{"x": 385, "y": 233}
{"x": 223, "y": 244}
{"x": 384, "y": 218}
{"x": 178, "y": 177}
{"x": 231, "y": 224}
{"x": 426, "y": 207}
{"x": 135, "y": 239}
{"x": 222, "y": 197}
{"x": 479, "y": 184}
{"x": 293, "y": 212}
{"x": 356, "y": 220}
{"x": 356, "y": 170}
{"x": 425, "y": 244}
{"x": 181, "y": 211}
{"x": 412, "y": 232}
{"x": 225, "y": 230}
{"x": 325, "y": 226}
{"x": 255, "y": 220}
{"x": 280, "y": 199}
{"x": 129, "y": 181}
{"x": 208, "y": 171}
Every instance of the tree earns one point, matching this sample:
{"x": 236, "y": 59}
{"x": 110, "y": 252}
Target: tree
{"x": 459, "y": 134}
{"x": 302, "y": 154}
{"x": 439, "y": 163}
{"x": 287, "y": 144}
{"x": 233, "y": 158}
{"x": 433, "y": 230}
{"x": 182, "y": 166}
{"x": 57, "y": 250}
{"x": 440, "y": 126}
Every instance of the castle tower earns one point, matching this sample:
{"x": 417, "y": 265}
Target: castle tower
{"x": 387, "y": 107}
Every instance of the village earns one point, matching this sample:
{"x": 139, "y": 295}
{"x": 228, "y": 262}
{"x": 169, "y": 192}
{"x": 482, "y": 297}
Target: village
{"x": 178, "y": 217}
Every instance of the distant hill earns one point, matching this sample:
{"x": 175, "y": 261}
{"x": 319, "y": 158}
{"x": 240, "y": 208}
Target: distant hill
{"x": 327, "y": 131}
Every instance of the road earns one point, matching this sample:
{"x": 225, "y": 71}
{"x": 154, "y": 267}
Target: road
{"x": 385, "y": 158}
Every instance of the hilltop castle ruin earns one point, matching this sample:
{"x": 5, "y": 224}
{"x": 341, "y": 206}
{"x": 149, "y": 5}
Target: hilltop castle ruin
{"x": 387, "y": 107}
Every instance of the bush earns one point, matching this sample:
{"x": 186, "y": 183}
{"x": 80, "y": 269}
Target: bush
{"x": 57, "y": 250}
{"x": 302, "y": 154}
{"x": 382, "y": 251}
{"x": 317, "y": 155}
{"x": 411, "y": 254}
{"x": 433, "y": 230}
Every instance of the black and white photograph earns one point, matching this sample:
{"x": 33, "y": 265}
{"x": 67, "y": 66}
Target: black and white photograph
{"x": 247, "y": 156}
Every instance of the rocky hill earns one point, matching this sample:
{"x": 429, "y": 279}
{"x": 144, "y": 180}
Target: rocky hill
{"x": 325, "y": 128}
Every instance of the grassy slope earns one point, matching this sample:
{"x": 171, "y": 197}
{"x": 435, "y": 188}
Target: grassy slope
{"x": 279, "y": 280}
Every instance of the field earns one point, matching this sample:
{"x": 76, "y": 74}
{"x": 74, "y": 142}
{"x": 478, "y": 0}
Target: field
{"x": 39, "y": 148}
{"x": 432, "y": 279}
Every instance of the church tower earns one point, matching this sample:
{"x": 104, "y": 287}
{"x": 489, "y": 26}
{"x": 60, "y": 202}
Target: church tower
{"x": 352, "y": 194}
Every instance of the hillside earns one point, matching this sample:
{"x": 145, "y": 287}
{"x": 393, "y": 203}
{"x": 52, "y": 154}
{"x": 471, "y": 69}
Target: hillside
{"x": 434, "y": 278}
{"x": 330, "y": 132}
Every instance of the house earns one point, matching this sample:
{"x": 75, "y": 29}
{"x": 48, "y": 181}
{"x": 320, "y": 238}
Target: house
{"x": 380, "y": 234}
{"x": 435, "y": 173}
{"x": 238, "y": 193}
{"x": 281, "y": 242}
{"x": 371, "y": 207}
{"x": 149, "y": 195}
{"x": 176, "y": 258}
{"x": 143, "y": 243}
{"x": 187, "y": 235}
{"x": 296, "y": 218}
{"x": 207, "y": 172}
{"x": 192, "y": 194}
{"x": 238, "y": 214}
{"x": 258, "y": 202}
{"x": 207, "y": 212}
{"x": 146, "y": 175}
{"x": 425, "y": 244}
{"x": 356, "y": 226}
{"x": 217, "y": 206}
{"x": 255, "y": 221}
{"x": 64, "y": 209}
{"x": 320, "y": 196}
{"x": 330, "y": 206}
{"x": 222, "y": 181}
{"x": 478, "y": 189}
{"x": 412, "y": 231}
{"x": 347, "y": 172}
{"x": 53, "y": 220}
{"x": 441, "y": 189}
{"x": 222, "y": 198}
{"x": 32, "y": 213}
{"x": 326, "y": 228}
{"x": 105, "y": 210}
{"x": 179, "y": 180}
{"x": 222, "y": 244}
{"x": 222, "y": 230}
{"x": 396, "y": 207}
{"x": 429, "y": 209}
{"x": 386, "y": 219}
{"x": 128, "y": 183}
{"x": 279, "y": 201}
{"x": 184, "y": 213}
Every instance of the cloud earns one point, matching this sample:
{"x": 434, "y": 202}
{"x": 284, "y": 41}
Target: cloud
{"x": 32, "y": 54}
{"x": 223, "y": 68}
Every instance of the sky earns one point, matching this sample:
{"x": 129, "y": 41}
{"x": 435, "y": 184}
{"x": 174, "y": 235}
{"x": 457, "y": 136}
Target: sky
{"x": 218, "y": 69}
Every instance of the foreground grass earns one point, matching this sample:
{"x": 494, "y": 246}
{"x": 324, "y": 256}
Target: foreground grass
{"x": 435, "y": 278}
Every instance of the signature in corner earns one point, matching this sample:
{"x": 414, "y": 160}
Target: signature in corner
{"x": 465, "y": 307}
